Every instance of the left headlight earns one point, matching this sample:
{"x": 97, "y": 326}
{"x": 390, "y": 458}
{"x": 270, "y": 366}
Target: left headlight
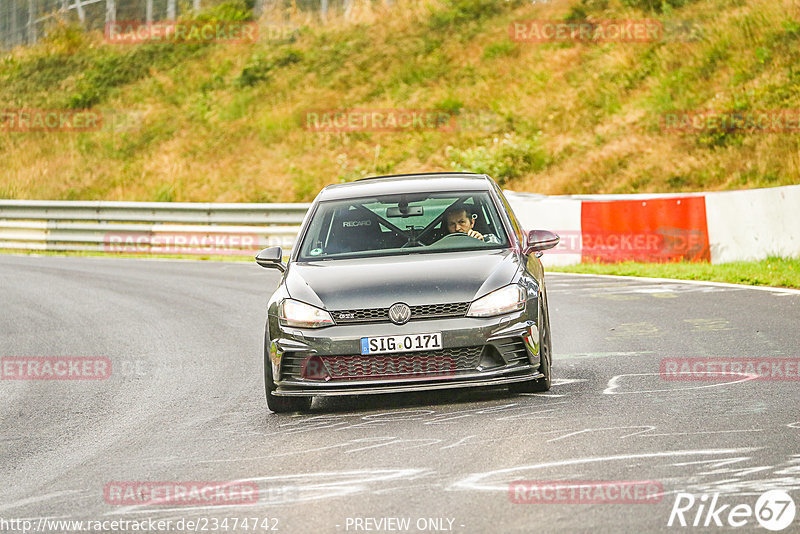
{"x": 296, "y": 313}
{"x": 503, "y": 300}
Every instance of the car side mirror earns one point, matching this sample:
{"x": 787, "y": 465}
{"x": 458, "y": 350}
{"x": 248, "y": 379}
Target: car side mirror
{"x": 539, "y": 240}
{"x": 271, "y": 258}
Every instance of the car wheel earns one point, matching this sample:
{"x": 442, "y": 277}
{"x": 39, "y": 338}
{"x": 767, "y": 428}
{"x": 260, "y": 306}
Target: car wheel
{"x": 540, "y": 385}
{"x": 275, "y": 403}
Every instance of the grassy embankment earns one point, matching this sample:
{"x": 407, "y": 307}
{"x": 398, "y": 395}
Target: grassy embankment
{"x": 225, "y": 122}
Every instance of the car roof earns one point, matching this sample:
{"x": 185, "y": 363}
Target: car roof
{"x": 407, "y": 183}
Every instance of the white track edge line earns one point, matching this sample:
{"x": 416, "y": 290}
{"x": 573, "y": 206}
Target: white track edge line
{"x": 771, "y": 289}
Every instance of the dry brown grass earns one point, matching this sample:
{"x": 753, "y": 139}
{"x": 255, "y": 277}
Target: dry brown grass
{"x": 205, "y": 138}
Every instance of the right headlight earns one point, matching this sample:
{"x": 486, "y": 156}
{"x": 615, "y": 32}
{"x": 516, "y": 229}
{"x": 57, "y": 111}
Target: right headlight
{"x": 296, "y": 313}
{"x": 504, "y": 300}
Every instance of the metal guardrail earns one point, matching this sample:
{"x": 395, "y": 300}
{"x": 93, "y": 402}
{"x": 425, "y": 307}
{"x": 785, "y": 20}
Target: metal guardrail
{"x": 148, "y": 227}
{"x": 25, "y": 21}
{"x": 242, "y": 229}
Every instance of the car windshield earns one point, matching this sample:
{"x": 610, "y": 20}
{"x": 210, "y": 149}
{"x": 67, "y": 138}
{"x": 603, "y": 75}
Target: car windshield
{"x": 403, "y": 224}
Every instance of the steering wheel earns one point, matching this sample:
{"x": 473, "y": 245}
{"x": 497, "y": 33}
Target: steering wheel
{"x": 458, "y": 234}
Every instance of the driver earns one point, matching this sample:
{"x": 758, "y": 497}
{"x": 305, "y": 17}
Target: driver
{"x": 458, "y": 218}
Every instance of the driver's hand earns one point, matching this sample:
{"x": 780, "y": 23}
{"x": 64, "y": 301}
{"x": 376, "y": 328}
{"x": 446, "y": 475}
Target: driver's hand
{"x": 476, "y": 235}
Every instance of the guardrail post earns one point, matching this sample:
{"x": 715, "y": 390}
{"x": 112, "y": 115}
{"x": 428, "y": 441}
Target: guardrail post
{"x": 14, "y": 22}
{"x": 32, "y": 36}
{"x": 111, "y": 11}
{"x": 81, "y": 12}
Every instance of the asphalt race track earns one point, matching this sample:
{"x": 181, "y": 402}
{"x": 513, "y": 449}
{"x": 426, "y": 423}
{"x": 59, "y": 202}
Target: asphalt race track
{"x": 185, "y": 402}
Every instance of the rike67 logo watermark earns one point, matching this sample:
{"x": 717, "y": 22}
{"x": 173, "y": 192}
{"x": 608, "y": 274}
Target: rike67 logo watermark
{"x": 774, "y": 510}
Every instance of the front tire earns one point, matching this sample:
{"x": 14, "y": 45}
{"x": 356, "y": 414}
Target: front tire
{"x": 540, "y": 385}
{"x": 280, "y": 404}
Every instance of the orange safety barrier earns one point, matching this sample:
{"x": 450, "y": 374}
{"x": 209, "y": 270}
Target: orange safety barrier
{"x": 652, "y": 230}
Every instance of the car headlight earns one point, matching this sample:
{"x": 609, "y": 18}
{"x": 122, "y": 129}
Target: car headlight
{"x": 503, "y": 300}
{"x": 296, "y": 313}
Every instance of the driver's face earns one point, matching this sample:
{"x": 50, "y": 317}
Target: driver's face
{"x": 459, "y": 222}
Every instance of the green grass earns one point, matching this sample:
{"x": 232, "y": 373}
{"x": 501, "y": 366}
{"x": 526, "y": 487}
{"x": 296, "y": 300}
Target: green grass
{"x": 773, "y": 271}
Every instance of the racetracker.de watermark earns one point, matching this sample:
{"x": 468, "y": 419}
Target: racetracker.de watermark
{"x": 602, "y": 31}
{"x": 585, "y": 492}
{"x": 602, "y": 243}
{"x": 54, "y": 368}
{"x": 710, "y": 369}
{"x": 149, "y": 524}
{"x": 50, "y": 120}
{"x": 395, "y": 366}
{"x": 399, "y": 120}
{"x": 760, "y": 121}
{"x": 181, "y": 32}
{"x": 193, "y": 243}
{"x": 180, "y": 493}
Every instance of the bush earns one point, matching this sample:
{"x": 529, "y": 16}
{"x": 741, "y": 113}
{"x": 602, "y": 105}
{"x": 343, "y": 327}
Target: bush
{"x": 460, "y": 11}
{"x": 233, "y": 10}
{"x": 657, "y": 6}
{"x": 258, "y": 69}
{"x": 107, "y": 72}
{"x": 504, "y": 159}
{"x": 63, "y": 37}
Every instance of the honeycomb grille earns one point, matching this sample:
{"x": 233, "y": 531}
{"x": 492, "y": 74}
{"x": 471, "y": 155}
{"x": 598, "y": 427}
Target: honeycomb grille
{"x": 379, "y": 315}
{"x": 458, "y": 309}
{"x": 405, "y": 365}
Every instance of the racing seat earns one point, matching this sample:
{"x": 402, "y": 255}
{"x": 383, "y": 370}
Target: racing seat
{"x": 354, "y": 232}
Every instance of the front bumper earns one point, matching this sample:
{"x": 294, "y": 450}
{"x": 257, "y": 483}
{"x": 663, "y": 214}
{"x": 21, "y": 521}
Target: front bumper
{"x": 503, "y": 349}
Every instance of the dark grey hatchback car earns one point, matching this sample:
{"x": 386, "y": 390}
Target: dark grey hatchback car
{"x": 407, "y": 283}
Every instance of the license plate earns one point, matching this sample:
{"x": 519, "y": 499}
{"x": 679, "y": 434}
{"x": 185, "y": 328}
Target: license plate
{"x": 407, "y": 343}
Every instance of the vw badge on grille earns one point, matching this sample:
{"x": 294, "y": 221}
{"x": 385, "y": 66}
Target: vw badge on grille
{"x": 399, "y": 313}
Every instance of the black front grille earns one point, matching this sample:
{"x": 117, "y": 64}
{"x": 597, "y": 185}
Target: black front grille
{"x": 366, "y": 315}
{"x": 513, "y": 350}
{"x": 381, "y": 315}
{"x": 428, "y": 363}
{"x": 458, "y": 309}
